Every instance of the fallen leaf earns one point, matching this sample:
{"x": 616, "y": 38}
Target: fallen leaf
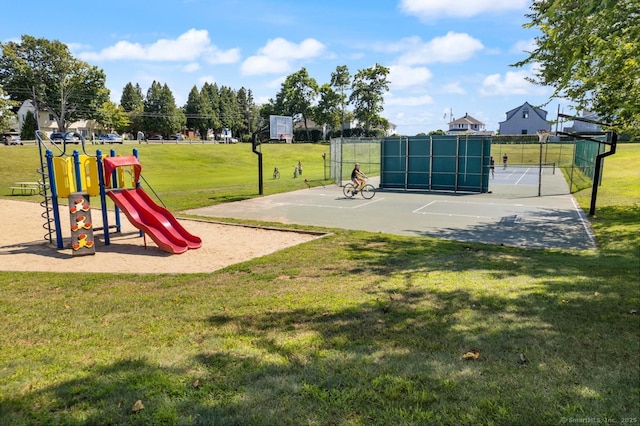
{"x": 473, "y": 354}
{"x": 137, "y": 406}
{"x": 596, "y": 294}
{"x": 522, "y": 359}
{"x": 196, "y": 384}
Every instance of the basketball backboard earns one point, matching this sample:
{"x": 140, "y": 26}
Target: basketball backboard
{"x": 280, "y": 127}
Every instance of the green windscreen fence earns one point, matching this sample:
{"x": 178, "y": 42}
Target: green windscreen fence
{"x": 584, "y": 157}
{"x": 436, "y": 163}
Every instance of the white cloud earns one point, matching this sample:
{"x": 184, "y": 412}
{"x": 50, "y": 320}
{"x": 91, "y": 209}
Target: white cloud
{"x": 453, "y": 47}
{"x": 513, "y": 83}
{"x": 402, "y": 76}
{"x": 193, "y": 44}
{"x": 276, "y": 83}
{"x": 193, "y": 66}
{"x": 524, "y": 46}
{"x": 408, "y": 101}
{"x": 453, "y": 88}
{"x": 76, "y": 47}
{"x": 278, "y": 54}
{"x": 206, "y": 79}
{"x": 283, "y": 49}
{"x": 432, "y": 9}
{"x": 255, "y": 65}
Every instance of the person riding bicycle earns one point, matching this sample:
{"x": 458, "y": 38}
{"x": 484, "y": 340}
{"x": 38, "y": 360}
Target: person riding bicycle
{"x": 358, "y": 178}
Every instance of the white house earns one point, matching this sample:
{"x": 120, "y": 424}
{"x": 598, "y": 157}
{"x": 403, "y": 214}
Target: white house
{"x": 49, "y": 125}
{"x": 467, "y": 125}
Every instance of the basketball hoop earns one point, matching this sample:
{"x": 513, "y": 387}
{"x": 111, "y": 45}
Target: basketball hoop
{"x": 543, "y": 136}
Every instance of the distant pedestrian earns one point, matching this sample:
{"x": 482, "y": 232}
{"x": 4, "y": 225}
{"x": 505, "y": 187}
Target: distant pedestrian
{"x": 300, "y": 167}
{"x": 504, "y": 160}
{"x": 492, "y": 166}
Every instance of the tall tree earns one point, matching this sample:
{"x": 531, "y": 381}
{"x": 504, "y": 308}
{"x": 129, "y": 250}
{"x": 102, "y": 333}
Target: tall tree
{"x": 329, "y": 110}
{"x": 46, "y": 72}
{"x": 113, "y": 117}
{"x": 198, "y": 112}
{"x": 253, "y": 114}
{"x": 368, "y": 88}
{"x": 589, "y": 52}
{"x": 160, "y": 112}
{"x": 213, "y": 96}
{"x": 297, "y": 96}
{"x": 244, "y": 108}
{"x": 230, "y": 114}
{"x": 132, "y": 97}
{"x": 29, "y": 127}
{"x": 341, "y": 81}
{"x": 132, "y": 102}
{"x": 6, "y": 114}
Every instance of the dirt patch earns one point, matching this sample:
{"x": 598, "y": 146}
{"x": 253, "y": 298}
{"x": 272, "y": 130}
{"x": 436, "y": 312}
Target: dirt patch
{"x": 24, "y": 248}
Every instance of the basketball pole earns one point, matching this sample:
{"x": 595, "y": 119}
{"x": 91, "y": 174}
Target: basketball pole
{"x": 543, "y": 135}
{"x": 255, "y": 142}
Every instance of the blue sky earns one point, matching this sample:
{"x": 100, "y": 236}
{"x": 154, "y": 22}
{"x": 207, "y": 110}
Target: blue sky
{"x": 445, "y": 56}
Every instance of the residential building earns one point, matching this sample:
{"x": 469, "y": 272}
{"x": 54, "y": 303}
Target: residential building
{"x": 48, "y": 124}
{"x": 583, "y": 127}
{"x": 524, "y": 120}
{"x": 467, "y": 125}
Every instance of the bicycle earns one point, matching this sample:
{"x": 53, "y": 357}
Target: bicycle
{"x": 367, "y": 191}
{"x": 276, "y": 173}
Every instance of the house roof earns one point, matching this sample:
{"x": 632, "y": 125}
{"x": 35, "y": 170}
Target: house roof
{"x": 538, "y": 111}
{"x": 467, "y": 119}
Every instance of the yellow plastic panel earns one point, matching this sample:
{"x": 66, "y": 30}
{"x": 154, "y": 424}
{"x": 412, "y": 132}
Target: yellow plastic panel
{"x": 89, "y": 170}
{"x": 63, "y": 174}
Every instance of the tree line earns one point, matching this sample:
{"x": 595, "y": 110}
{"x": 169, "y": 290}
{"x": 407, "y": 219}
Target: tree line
{"x": 69, "y": 89}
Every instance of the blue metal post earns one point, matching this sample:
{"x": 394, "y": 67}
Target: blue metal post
{"x": 114, "y": 184}
{"x": 76, "y": 170}
{"x": 103, "y": 198}
{"x": 54, "y": 199}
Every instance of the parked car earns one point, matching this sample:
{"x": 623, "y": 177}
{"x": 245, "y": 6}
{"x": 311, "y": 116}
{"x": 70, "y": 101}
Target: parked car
{"x": 11, "y": 140}
{"x": 176, "y": 137}
{"x": 155, "y": 138}
{"x": 110, "y": 138}
{"x": 60, "y": 137}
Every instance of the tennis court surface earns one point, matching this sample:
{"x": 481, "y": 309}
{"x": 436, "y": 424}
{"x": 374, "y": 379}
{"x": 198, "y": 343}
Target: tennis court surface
{"x": 511, "y": 214}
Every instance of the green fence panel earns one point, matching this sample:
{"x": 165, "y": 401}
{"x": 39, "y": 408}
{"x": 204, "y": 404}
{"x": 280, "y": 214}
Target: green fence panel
{"x": 438, "y": 163}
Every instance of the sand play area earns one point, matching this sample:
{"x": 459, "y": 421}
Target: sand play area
{"x": 24, "y": 248}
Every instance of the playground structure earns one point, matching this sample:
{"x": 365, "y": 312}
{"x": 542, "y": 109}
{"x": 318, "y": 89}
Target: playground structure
{"x": 82, "y": 176}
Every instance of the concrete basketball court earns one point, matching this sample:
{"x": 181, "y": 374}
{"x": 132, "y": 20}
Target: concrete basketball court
{"x": 511, "y": 214}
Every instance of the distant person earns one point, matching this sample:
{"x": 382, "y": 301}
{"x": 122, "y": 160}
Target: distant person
{"x": 504, "y": 161}
{"x": 358, "y": 178}
{"x": 492, "y": 166}
{"x": 300, "y": 167}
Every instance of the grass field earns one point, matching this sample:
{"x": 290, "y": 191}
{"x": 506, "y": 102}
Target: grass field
{"x": 194, "y": 175}
{"x": 353, "y": 329}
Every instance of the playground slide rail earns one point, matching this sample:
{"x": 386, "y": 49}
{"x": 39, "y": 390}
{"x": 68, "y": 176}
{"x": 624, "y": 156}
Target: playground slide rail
{"x": 154, "y": 220}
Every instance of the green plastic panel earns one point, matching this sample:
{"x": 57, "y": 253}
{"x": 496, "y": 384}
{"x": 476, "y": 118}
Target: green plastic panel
{"x": 436, "y": 163}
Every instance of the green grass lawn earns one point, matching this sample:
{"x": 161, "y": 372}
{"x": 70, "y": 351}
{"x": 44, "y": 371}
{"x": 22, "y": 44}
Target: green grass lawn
{"x": 194, "y": 175}
{"x": 355, "y": 328}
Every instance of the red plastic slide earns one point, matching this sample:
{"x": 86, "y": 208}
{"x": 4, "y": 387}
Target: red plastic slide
{"x": 154, "y": 220}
